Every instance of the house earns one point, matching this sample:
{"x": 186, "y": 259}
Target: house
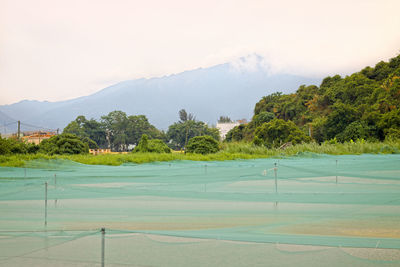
{"x": 36, "y": 137}
{"x": 100, "y": 151}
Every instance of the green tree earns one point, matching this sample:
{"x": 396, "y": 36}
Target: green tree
{"x": 115, "y": 124}
{"x": 262, "y": 117}
{"x": 88, "y": 129}
{"x": 63, "y": 144}
{"x": 278, "y": 132}
{"x": 139, "y": 125}
{"x": 151, "y": 146}
{"x": 180, "y": 132}
{"x": 237, "y": 133}
{"x": 341, "y": 116}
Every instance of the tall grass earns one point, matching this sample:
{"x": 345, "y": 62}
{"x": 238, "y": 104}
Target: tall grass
{"x": 229, "y": 151}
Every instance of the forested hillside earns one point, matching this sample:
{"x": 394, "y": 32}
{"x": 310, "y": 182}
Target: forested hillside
{"x": 364, "y": 105}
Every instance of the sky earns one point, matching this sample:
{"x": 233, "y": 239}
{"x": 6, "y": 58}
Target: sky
{"x": 56, "y": 50}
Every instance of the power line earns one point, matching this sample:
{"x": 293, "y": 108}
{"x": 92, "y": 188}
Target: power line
{"x": 4, "y": 125}
{"x": 38, "y": 127}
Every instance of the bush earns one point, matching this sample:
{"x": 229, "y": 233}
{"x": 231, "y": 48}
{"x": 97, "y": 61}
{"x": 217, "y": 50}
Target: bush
{"x": 355, "y": 130}
{"x": 13, "y": 146}
{"x": 63, "y": 144}
{"x": 202, "y": 145}
{"x": 392, "y": 134}
{"x": 5, "y": 146}
{"x": 153, "y": 146}
{"x": 277, "y": 132}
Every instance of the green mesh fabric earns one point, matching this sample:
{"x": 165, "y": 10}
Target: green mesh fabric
{"x": 309, "y": 210}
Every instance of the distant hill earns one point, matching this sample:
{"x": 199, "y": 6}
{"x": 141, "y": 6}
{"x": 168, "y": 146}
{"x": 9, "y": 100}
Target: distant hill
{"x": 206, "y": 92}
{"x": 5, "y": 126}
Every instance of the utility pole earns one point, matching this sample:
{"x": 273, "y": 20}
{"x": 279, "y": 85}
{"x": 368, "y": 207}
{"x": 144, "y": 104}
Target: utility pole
{"x": 19, "y": 129}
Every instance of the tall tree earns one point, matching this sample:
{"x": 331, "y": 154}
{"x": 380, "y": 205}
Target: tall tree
{"x": 180, "y": 132}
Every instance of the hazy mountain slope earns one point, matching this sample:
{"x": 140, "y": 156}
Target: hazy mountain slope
{"x": 5, "y": 126}
{"x": 208, "y": 93}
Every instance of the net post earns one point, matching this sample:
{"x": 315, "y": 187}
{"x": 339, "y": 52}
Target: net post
{"x": 276, "y": 178}
{"x": 55, "y": 187}
{"x": 336, "y": 172}
{"x": 24, "y": 172}
{"x": 45, "y": 204}
{"x": 276, "y": 185}
{"x": 103, "y": 233}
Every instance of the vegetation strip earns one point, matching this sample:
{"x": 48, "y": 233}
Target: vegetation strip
{"x": 229, "y": 151}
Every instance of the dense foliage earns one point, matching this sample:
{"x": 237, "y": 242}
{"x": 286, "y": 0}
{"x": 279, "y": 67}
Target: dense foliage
{"x": 277, "y": 132}
{"x": 364, "y": 105}
{"x": 182, "y": 131}
{"x": 151, "y": 146}
{"x": 13, "y": 146}
{"x": 202, "y": 145}
{"x": 115, "y": 130}
{"x": 63, "y": 144}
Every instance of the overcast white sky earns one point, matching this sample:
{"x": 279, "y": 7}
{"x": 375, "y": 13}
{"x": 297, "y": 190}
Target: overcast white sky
{"x": 55, "y": 50}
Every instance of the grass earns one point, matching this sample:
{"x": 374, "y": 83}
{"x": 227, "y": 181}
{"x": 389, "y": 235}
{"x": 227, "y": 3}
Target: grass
{"x": 229, "y": 151}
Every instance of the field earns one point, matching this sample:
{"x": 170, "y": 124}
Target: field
{"x": 229, "y": 151}
{"x": 304, "y": 210}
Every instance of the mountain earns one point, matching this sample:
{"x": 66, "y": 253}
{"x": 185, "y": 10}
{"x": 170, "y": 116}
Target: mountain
{"x": 7, "y": 124}
{"x": 225, "y": 89}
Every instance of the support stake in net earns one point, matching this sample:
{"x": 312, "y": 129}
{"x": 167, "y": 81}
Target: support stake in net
{"x": 276, "y": 179}
{"x": 103, "y": 233}
{"x": 336, "y": 173}
{"x": 45, "y": 204}
{"x": 276, "y": 185}
{"x": 55, "y": 187}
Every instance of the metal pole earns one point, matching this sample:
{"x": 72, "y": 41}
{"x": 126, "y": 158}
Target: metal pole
{"x": 55, "y": 187}
{"x": 24, "y": 172}
{"x": 205, "y": 169}
{"x": 103, "y": 233}
{"x": 336, "y": 173}
{"x": 45, "y": 205}
{"x": 276, "y": 179}
{"x": 19, "y": 129}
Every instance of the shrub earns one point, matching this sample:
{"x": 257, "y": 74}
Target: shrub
{"x": 202, "y": 145}
{"x": 5, "y": 146}
{"x": 355, "y": 130}
{"x": 63, "y": 144}
{"x": 392, "y": 134}
{"x": 153, "y": 146}
{"x": 13, "y": 146}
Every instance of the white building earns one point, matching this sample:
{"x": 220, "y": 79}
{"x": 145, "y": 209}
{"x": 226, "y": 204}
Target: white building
{"x": 225, "y": 127}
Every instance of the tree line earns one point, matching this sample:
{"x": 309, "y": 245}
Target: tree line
{"x": 364, "y": 105}
{"x": 118, "y": 132}
{"x": 121, "y": 132}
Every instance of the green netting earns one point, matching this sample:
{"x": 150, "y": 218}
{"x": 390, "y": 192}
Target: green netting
{"x": 341, "y": 210}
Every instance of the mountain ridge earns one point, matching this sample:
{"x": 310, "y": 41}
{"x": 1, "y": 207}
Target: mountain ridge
{"x": 206, "y": 92}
